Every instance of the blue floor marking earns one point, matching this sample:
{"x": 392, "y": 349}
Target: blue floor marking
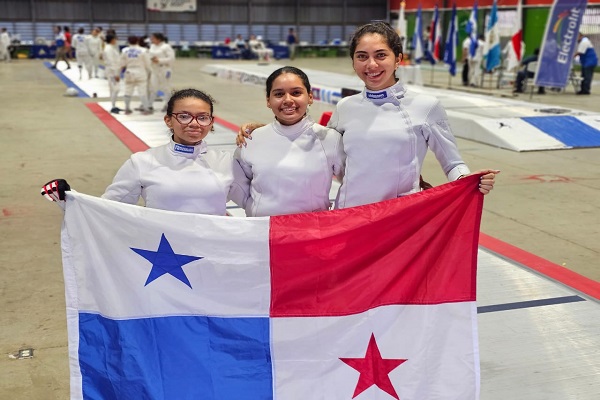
{"x": 529, "y": 304}
{"x": 567, "y": 129}
{"x": 65, "y": 80}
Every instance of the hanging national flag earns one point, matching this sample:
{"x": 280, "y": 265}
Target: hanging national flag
{"x": 417, "y": 43}
{"x": 451, "y": 42}
{"x": 515, "y": 50}
{"x": 402, "y": 26}
{"x": 492, "y": 40}
{"x": 435, "y": 37}
{"x": 329, "y": 305}
{"x": 471, "y": 30}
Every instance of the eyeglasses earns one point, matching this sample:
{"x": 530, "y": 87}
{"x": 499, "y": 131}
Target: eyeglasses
{"x": 187, "y": 118}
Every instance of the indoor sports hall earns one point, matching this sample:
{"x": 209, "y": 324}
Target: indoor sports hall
{"x": 538, "y": 293}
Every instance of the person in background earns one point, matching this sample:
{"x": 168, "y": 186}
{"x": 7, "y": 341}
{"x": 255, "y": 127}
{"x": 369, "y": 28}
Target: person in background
{"x": 240, "y": 42}
{"x": 68, "y": 38}
{"x": 258, "y": 47}
{"x": 112, "y": 69}
{"x": 588, "y": 60}
{"x": 183, "y": 175}
{"x": 475, "y": 63}
{"x": 289, "y": 165}
{"x": 466, "y": 60}
{"x": 95, "y": 45}
{"x": 162, "y": 57}
{"x": 4, "y": 45}
{"x": 61, "y": 47}
{"x": 101, "y": 33}
{"x": 292, "y": 42}
{"x": 82, "y": 53}
{"x": 526, "y": 72}
{"x": 135, "y": 61}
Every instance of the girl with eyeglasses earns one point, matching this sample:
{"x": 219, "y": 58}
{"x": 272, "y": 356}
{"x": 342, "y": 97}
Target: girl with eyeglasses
{"x": 183, "y": 175}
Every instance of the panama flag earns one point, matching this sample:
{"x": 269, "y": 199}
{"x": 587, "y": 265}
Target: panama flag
{"x": 417, "y": 43}
{"x": 372, "y": 302}
{"x": 451, "y": 42}
{"x": 435, "y": 38}
{"x": 515, "y": 52}
{"x": 492, "y": 40}
{"x": 471, "y": 30}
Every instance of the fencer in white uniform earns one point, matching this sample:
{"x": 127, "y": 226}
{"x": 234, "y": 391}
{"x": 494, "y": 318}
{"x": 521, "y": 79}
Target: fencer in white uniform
{"x": 289, "y": 169}
{"x": 112, "y": 69}
{"x": 289, "y": 165}
{"x": 134, "y": 59}
{"x": 183, "y": 175}
{"x": 95, "y": 45}
{"x": 4, "y": 45}
{"x": 175, "y": 177}
{"x": 82, "y": 53}
{"x": 162, "y": 58}
{"x": 386, "y": 136}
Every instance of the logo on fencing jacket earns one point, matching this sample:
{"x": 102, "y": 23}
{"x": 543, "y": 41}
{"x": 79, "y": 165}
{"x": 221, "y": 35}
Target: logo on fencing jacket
{"x": 377, "y": 95}
{"x": 184, "y": 149}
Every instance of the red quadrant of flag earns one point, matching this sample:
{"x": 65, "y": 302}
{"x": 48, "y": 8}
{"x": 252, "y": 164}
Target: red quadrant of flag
{"x": 418, "y": 249}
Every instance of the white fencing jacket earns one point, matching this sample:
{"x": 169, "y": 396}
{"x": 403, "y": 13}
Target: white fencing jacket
{"x": 386, "y": 135}
{"x": 175, "y": 177}
{"x": 289, "y": 169}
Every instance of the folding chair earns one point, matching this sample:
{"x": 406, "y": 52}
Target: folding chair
{"x": 530, "y": 69}
{"x": 575, "y": 80}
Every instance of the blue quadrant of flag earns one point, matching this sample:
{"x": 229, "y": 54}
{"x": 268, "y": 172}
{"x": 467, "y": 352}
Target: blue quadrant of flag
{"x": 181, "y": 357}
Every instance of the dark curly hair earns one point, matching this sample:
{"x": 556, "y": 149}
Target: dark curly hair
{"x": 382, "y": 28}
{"x": 186, "y": 93}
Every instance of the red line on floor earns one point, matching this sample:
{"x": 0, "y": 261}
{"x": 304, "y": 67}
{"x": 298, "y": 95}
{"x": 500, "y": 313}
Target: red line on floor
{"x": 128, "y": 138}
{"x": 531, "y": 261}
{"x": 554, "y": 271}
{"x": 227, "y": 124}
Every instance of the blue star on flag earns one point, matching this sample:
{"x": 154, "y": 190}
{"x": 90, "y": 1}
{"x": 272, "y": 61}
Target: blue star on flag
{"x": 166, "y": 261}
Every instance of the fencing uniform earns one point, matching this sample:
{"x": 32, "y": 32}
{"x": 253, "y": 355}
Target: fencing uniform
{"x": 137, "y": 67}
{"x": 262, "y": 52}
{"x": 386, "y": 135}
{"x": 175, "y": 177}
{"x": 82, "y": 54}
{"x": 288, "y": 169}
{"x": 160, "y": 76}
{"x": 112, "y": 69}
{"x": 4, "y": 44}
{"x": 95, "y": 49}
{"x": 475, "y": 64}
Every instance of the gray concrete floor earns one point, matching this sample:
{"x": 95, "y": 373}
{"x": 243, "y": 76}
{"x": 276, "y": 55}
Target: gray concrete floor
{"x": 545, "y": 202}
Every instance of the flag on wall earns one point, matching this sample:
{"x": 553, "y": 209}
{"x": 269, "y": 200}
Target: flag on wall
{"x": 471, "y": 30}
{"x": 451, "y": 42}
{"x": 515, "y": 52}
{"x": 330, "y": 305}
{"x": 401, "y": 30}
{"x": 417, "y": 41}
{"x": 492, "y": 40}
{"x": 171, "y": 5}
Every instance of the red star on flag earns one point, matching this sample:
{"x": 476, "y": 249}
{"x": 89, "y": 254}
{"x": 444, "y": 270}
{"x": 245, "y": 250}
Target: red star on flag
{"x": 374, "y": 370}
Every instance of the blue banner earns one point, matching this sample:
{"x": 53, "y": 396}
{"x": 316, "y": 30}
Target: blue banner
{"x": 560, "y": 43}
